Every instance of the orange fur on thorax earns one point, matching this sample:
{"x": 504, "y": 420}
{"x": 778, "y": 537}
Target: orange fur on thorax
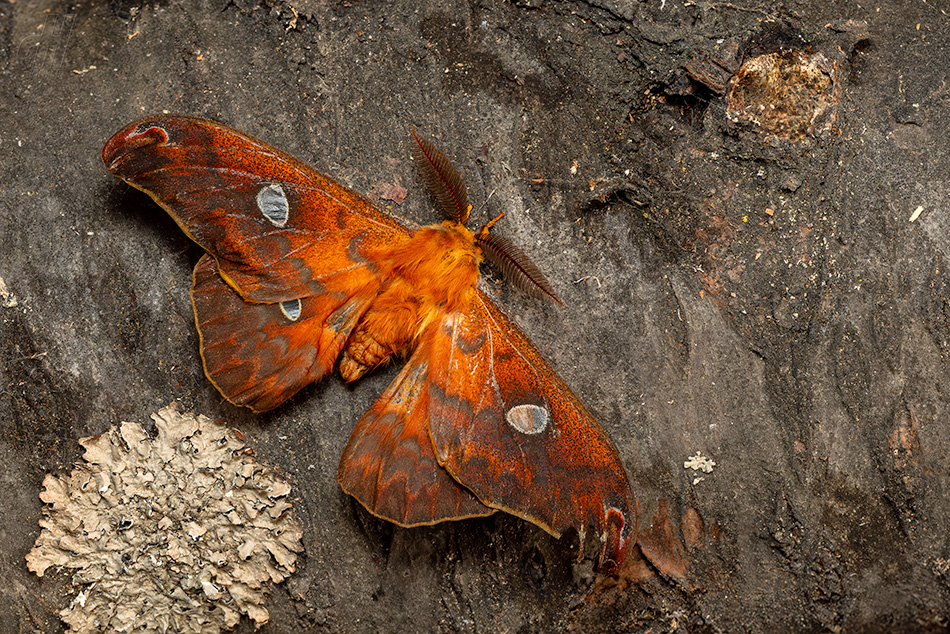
{"x": 431, "y": 273}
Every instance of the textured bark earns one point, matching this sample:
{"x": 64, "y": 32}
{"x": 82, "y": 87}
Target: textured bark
{"x": 767, "y": 303}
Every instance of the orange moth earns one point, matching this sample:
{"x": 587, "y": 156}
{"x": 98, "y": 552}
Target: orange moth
{"x": 301, "y": 272}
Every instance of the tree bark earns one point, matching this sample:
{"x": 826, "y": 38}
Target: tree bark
{"x": 742, "y": 207}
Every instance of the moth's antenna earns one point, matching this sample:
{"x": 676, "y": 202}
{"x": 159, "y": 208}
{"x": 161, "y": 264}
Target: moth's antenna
{"x": 514, "y": 263}
{"x": 441, "y": 178}
{"x": 446, "y": 183}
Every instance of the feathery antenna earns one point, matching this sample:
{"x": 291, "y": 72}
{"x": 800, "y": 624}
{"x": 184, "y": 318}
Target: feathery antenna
{"x": 446, "y": 183}
{"x": 441, "y": 178}
{"x": 515, "y": 265}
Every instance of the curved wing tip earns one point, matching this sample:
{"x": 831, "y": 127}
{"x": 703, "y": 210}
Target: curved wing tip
{"x": 130, "y": 139}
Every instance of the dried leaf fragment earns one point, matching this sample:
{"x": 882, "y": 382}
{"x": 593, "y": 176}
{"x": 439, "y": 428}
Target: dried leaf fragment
{"x": 7, "y": 300}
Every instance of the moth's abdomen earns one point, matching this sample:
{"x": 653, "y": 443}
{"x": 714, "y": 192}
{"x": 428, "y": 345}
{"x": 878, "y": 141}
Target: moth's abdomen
{"x": 363, "y": 353}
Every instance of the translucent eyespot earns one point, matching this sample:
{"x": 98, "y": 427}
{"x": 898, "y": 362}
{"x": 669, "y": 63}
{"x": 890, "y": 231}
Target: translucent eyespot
{"x": 272, "y": 202}
{"x": 528, "y": 419}
{"x": 291, "y": 309}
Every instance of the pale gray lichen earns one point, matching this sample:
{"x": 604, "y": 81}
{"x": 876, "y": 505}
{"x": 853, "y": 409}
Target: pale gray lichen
{"x": 183, "y": 532}
{"x": 699, "y": 462}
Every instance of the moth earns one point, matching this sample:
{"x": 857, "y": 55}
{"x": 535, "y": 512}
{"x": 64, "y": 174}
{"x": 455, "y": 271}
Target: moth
{"x": 301, "y": 274}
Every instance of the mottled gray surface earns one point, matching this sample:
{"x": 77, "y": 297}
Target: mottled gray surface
{"x": 803, "y": 350}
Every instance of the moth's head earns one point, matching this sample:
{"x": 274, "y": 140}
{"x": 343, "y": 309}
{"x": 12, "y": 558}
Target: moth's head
{"x": 446, "y": 183}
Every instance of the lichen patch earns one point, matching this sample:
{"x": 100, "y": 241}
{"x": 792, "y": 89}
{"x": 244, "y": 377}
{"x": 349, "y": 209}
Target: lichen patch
{"x": 699, "y": 462}
{"x": 182, "y": 532}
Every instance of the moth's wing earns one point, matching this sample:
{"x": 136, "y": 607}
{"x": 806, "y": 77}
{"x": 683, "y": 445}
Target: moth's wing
{"x": 283, "y": 236}
{"x": 505, "y": 425}
{"x": 389, "y": 464}
{"x": 277, "y": 227}
{"x": 259, "y": 355}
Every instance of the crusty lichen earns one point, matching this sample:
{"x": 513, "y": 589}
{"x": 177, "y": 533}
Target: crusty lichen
{"x": 175, "y": 533}
{"x": 699, "y": 462}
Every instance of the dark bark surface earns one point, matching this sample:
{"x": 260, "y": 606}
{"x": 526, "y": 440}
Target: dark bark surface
{"x": 762, "y": 298}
